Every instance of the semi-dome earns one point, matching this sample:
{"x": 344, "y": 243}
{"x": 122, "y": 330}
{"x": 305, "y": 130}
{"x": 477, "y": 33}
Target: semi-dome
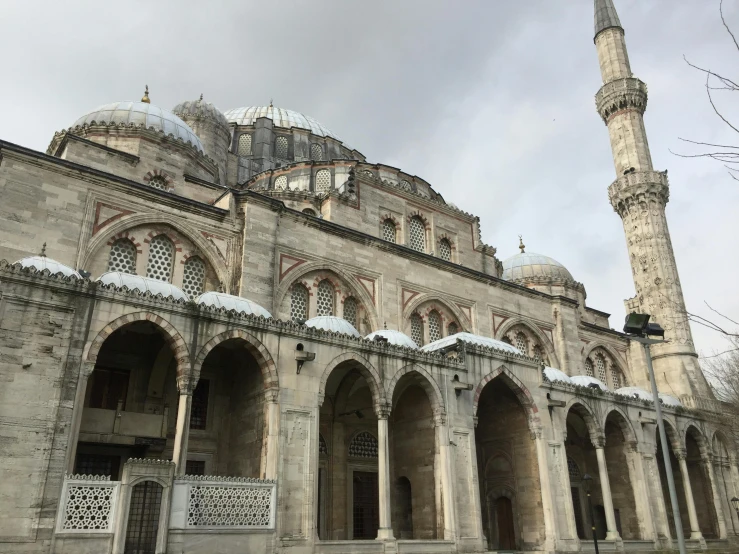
{"x": 231, "y": 302}
{"x": 472, "y": 339}
{"x": 142, "y": 284}
{"x": 641, "y": 394}
{"x": 586, "y": 381}
{"x": 554, "y": 374}
{"x": 42, "y": 262}
{"x": 395, "y": 338}
{"x": 668, "y": 400}
{"x": 200, "y": 109}
{"x": 141, "y": 114}
{"x": 333, "y": 324}
{"x": 280, "y": 117}
{"x": 527, "y": 265}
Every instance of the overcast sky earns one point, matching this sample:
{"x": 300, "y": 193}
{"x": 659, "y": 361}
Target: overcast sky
{"x": 490, "y": 101}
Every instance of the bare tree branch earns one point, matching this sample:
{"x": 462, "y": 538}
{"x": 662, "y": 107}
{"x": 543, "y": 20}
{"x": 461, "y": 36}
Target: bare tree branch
{"x": 721, "y": 11}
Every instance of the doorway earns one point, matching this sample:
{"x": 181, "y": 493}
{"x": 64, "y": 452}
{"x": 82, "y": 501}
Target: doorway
{"x": 504, "y": 516}
{"x": 365, "y": 506}
{"x": 143, "y": 518}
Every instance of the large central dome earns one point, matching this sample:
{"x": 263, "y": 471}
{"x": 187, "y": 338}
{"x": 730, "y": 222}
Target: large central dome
{"x": 280, "y": 117}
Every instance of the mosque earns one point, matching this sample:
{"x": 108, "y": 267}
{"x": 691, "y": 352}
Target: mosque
{"x": 230, "y": 332}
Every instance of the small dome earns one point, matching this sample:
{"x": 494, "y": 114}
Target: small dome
{"x": 231, "y": 302}
{"x": 641, "y": 394}
{"x": 142, "y": 284}
{"x": 395, "y": 338}
{"x": 280, "y": 118}
{"x": 200, "y": 109}
{"x": 554, "y": 374}
{"x": 42, "y": 262}
{"x": 333, "y": 324}
{"x": 525, "y": 266}
{"x": 472, "y": 339}
{"x": 142, "y": 114}
{"x": 668, "y": 400}
{"x": 586, "y": 381}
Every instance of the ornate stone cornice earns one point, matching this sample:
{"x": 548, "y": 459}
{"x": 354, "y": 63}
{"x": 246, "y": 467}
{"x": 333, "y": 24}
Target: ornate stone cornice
{"x": 620, "y": 95}
{"x": 638, "y": 186}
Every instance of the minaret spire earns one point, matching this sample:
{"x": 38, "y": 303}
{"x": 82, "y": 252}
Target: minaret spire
{"x": 639, "y": 195}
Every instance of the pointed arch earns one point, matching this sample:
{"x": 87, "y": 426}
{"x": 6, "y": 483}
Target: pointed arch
{"x": 425, "y": 380}
{"x": 692, "y": 429}
{"x": 515, "y": 384}
{"x": 587, "y": 413}
{"x": 543, "y": 339}
{"x": 444, "y": 303}
{"x": 365, "y": 368}
{"x": 622, "y": 420}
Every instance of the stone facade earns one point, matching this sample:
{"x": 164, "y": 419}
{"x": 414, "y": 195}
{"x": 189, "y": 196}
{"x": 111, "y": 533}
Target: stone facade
{"x": 200, "y": 383}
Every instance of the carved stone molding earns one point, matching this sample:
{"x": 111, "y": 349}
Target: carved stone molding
{"x": 638, "y": 187}
{"x": 623, "y": 94}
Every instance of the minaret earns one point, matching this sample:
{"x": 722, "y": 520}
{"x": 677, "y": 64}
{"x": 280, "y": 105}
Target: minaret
{"x": 639, "y": 195}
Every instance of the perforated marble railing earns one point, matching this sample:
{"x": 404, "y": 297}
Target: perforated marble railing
{"x": 87, "y": 504}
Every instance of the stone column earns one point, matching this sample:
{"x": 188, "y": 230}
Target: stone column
{"x": 442, "y": 438}
{"x": 695, "y": 532}
{"x": 86, "y": 370}
{"x": 273, "y": 433}
{"x": 182, "y": 432}
{"x": 640, "y": 488}
{"x": 707, "y": 463}
{"x": 605, "y": 485}
{"x": 547, "y": 504}
{"x": 385, "y": 532}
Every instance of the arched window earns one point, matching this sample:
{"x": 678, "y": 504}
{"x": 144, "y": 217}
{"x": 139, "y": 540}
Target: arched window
{"x": 322, "y": 446}
{"x": 573, "y": 470}
{"x": 193, "y": 277}
{"x": 316, "y": 152}
{"x": 309, "y": 211}
{"x": 538, "y": 353}
{"x": 522, "y": 344}
{"x": 281, "y": 182}
{"x": 617, "y": 378}
{"x": 350, "y": 310}
{"x": 281, "y": 148}
{"x": 589, "y": 368}
{"x": 159, "y": 182}
{"x": 299, "y": 303}
{"x": 405, "y": 185}
{"x": 325, "y": 298}
{"x": 161, "y": 256}
{"x": 122, "y": 256}
{"x": 389, "y": 231}
{"x": 445, "y": 250}
{"x": 417, "y": 233}
{"x": 323, "y": 180}
{"x": 368, "y": 173}
{"x": 600, "y": 365}
{"x": 434, "y": 326}
{"x": 417, "y": 329}
{"x": 245, "y": 145}
{"x": 363, "y": 445}
{"x": 452, "y": 328}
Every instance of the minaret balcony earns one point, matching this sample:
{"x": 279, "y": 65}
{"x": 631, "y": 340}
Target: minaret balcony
{"x": 619, "y": 95}
{"x": 638, "y": 185}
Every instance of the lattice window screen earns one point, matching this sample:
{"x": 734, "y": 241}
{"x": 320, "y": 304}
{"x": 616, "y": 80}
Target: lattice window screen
{"x": 316, "y": 152}
{"x": 281, "y": 147}
{"x": 417, "y": 329}
{"x": 323, "y": 180}
{"x": 158, "y": 182}
{"x": 389, "y": 230}
{"x": 363, "y": 445}
{"x": 452, "y": 328}
{"x": 521, "y": 343}
{"x": 350, "y": 310}
{"x": 281, "y": 182}
{"x": 368, "y": 173}
{"x": 325, "y": 298}
{"x": 299, "y": 303}
{"x": 617, "y": 378}
{"x": 417, "y": 232}
{"x": 193, "y": 278}
{"x": 573, "y": 470}
{"x": 600, "y": 364}
{"x": 229, "y": 506}
{"x": 589, "y": 368}
{"x": 434, "y": 326}
{"x": 538, "y": 353}
{"x": 445, "y": 250}
{"x": 88, "y": 507}
{"x": 405, "y": 185}
{"x": 161, "y": 254}
{"x": 245, "y": 145}
{"x": 122, "y": 256}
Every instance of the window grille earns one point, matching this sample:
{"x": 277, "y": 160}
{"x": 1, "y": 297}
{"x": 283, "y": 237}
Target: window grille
{"x": 299, "y": 303}
{"x": 199, "y": 409}
{"x": 193, "y": 277}
{"x": 589, "y": 368}
{"x": 389, "y": 230}
{"x": 122, "y": 256}
{"x": 417, "y": 232}
{"x": 325, "y": 298}
{"x": 143, "y": 518}
{"x": 281, "y": 148}
{"x": 363, "y": 445}
{"x": 522, "y": 343}
{"x": 195, "y": 467}
{"x": 445, "y": 250}
{"x": 323, "y": 181}
{"x": 617, "y": 378}
{"x": 97, "y": 464}
{"x": 573, "y": 470}
{"x": 350, "y": 310}
{"x": 158, "y": 182}
{"x": 434, "y": 326}
{"x": 368, "y": 173}
{"x": 452, "y": 328}
{"x": 161, "y": 253}
{"x": 316, "y": 152}
{"x": 405, "y": 185}
{"x": 281, "y": 182}
{"x": 322, "y": 446}
{"x": 538, "y": 354}
{"x": 245, "y": 145}
{"x": 600, "y": 364}
{"x": 417, "y": 329}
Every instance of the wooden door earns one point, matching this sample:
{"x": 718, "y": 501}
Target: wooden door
{"x": 504, "y": 515}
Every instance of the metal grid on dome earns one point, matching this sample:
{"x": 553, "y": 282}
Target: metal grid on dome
{"x": 245, "y": 145}
{"x": 325, "y": 298}
{"x": 281, "y": 182}
{"x": 600, "y": 364}
{"x": 363, "y": 445}
{"x": 281, "y": 145}
{"x": 417, "y": 234}
{"x": 193, "y": 277}
{"x": 434, "y": 326}
{"x": 350, "y": 310}
{"x": 521, "y": 343}
{"x": 158, "y": 182}
{"x": 445, "y": 250}
{"x": 589, "y": 368}
{"x": 405, "y": 185}
{"x": 299, "y": 303}
{"x": 617, "y": 379}
{"x": 389, "y": 231}
{"x": 323, "y": 180}
{"x": 316, "y": 152}
{"x": 452, "y": 328}
{"x": 417, "y": 329}
{"x": 161, "y": 253}
{"x": 573, "y": 470}
{"x": 122, "y": 256}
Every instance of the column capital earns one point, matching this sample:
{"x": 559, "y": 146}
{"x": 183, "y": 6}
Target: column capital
{"x": 382, "y": 411}
{"x": 271, "y": 395}
{"x": 185, "y": 385}
{"x": 439, "y": 418}
{"x": 536, "y": 433}
{"x": 598, "y": 440}
{"x": 681, "y": 454}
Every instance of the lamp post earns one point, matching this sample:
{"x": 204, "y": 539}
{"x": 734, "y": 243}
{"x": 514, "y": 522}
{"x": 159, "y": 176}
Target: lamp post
{"x": 587, "y": 483}
{"x": 638, "y": 328}
{"x": 735, "y": 503}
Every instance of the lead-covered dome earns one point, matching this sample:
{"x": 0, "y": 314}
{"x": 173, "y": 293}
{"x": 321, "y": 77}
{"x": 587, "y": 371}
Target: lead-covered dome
{"x": 472, "y": 339}
{"x": 141, "y": 114}
{"x": 395, "y": 338}
{"x": 118, "y": 279}
{"x": 200, "y": 109}
{"x": 231, "y": 302}
{"x": 333, "y": 324}
{"x": 527, "y": 266}
{"x": 280, "y": 117}
{"x": 42, "y": 262}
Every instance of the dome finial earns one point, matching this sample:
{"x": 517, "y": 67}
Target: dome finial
{"x": 270, "y": 103}
{"x": 43, "y": 250}
{"x": 146, "y": 96}
{"x": 201, "y": 96}
{"x": 521, "y": 245}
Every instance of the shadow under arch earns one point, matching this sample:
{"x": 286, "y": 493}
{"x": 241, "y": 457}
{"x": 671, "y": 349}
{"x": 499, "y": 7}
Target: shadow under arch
{"x": 413, "y": 373}
{"x": 364, "y": 367}
{"x": 620, "y": 418}
{"x": 586, "y": 413}
{"x": 514, "y": 383}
